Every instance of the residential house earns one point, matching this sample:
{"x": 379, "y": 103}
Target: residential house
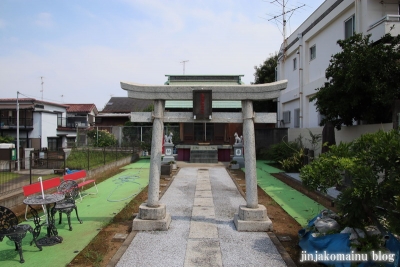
{"x": 78, "y": 116}
{"x": 39, "y": 122}
{"x": 118, "y": 110}
{"x": 42, "y": 124}
{"x": 305, "y": 55}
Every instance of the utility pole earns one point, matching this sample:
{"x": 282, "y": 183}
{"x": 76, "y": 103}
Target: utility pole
{"x": 183, "y": 62}
{"x": 283, "y": 3}
{"x": 18, "y": 163}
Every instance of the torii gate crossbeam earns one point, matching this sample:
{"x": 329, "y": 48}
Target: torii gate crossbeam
{"x": 251, "y": 217}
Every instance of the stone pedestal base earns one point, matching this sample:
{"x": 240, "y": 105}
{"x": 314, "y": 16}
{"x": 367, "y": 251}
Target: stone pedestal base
{"x": 168, "y": 159}
{"x": 240, "y": 161}
{"x": 238, "y": 154}
{"x": 169, "y": 156}
{"x": 252, "y": 220}
{"x": 151, "y": 218}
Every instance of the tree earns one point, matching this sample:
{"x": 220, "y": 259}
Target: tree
{"x": 265, "y": 73}
{"x": 101, "y": 138}
{"x": 372, "y": 163}
{"x": 363, "y": 80}
{"x": 6, "y": 139}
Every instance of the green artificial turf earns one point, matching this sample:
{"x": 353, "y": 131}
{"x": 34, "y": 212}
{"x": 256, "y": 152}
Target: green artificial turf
{"x": 96, "y": 211}
{"x": 296, "y": 204}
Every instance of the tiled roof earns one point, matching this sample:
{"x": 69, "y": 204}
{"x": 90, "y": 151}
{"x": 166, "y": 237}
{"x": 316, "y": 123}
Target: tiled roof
{"x": 19, "y": 100}
{"x": 126, "y": 105}
{"x": 30, "y": 100}
{"x": 84, "y": 108}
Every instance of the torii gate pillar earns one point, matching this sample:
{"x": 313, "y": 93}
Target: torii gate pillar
{"x": 153, "y": 215}
{"x": 252, "y": 217}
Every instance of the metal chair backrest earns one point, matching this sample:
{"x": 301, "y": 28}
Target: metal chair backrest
{"x": 8, "y": 220}
{"x": 69, "y": 188}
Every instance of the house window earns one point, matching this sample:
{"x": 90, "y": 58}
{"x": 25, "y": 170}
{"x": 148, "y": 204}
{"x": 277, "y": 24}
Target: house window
{"x": 52, "y": 144}
{"x": 313, "y": 52}
{"x": 296, "y": 121}
{"x": 295, "y": 63}
{"x": 286, "y": 116}
{"x": 349, "y": 27}
{"x": 60, "y": 120}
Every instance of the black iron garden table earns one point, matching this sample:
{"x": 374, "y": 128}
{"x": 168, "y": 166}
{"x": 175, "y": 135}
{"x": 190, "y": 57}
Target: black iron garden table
{"x": 46, "y": 200}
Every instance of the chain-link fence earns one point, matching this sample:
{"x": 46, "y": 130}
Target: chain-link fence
{"x": 121, "y": 136}
{"x": 92, "y": 148}
{"x": 48, "y": 164}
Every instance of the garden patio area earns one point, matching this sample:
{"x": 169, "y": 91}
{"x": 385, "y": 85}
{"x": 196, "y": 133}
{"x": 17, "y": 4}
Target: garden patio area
{"x": 96, "y": 211}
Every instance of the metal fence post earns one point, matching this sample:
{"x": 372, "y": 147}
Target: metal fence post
{"x": 104, "y": 156}
{"x": 88, "y": 159}
{"x": 30, "y": 167}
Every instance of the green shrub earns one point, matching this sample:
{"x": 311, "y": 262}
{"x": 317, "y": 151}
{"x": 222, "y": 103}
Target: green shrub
{"x": 281, "y": 151}
{"x": 373, "y": 163}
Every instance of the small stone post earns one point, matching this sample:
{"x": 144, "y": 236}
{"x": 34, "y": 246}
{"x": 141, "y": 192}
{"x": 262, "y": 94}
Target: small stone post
{"x": 27, "y": 157}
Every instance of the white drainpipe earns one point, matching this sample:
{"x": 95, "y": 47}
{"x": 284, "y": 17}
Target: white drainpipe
{"x": 301, "y": 59}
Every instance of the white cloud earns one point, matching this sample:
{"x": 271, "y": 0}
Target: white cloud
{"x": 44, "y": 20}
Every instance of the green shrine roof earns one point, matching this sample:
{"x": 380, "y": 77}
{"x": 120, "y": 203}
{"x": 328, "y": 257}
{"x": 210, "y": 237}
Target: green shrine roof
{"x": 204, "y": 80}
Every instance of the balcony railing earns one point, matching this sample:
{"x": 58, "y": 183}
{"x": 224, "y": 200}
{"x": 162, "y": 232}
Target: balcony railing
{"x": 11, "y": 122}
{"x": 72, "y": 122}
{"x": 387, "y": 24}
{"x": 387, "y": 18}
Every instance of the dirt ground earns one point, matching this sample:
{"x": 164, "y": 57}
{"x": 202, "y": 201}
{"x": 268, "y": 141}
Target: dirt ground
{"x": 101, "y": 250}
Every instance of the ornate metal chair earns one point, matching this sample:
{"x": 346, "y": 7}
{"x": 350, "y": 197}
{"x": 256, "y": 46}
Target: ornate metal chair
{"x": 10, "y": 228}
{"x": 71, "y": 191}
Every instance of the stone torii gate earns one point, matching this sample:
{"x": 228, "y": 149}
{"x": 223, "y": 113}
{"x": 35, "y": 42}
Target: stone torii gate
{"x": 152, "y": 214}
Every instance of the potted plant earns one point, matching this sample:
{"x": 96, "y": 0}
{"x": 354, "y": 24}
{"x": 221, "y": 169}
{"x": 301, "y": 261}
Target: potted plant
{"x": 173, "y": 164}
{"x": 234, "y": 165}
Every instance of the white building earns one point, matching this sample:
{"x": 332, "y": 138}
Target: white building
{"x": 308, "y": 50}
{"x": 44, "y": 124}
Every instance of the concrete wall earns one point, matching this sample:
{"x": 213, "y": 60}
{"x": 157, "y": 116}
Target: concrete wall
{"x": 267, "y": 137}
{"x": 345, "y": 135}
{"x": 15, "y": 199}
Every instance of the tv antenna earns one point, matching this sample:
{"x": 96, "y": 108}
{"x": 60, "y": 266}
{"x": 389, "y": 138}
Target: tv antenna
{"x": 42, "y": 82}
{"x": 283, "y": 15}
{"x": 184, "y": 62}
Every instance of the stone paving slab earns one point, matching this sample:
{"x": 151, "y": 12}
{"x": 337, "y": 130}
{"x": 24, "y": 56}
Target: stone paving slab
{"x": 203, "y": 202}
{"x": 203, "y": 194}
{"x": 203, "y": 253}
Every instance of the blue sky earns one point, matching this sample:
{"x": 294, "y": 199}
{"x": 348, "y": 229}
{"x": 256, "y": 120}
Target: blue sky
{"x": 84, "y": 48}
